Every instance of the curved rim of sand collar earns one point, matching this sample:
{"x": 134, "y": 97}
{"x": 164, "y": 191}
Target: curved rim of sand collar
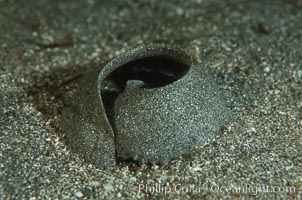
{"x": 169, "y": 63}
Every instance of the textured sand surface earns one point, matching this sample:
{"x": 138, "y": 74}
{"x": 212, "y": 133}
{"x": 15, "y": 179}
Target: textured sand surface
{"x": 254, "y": 49}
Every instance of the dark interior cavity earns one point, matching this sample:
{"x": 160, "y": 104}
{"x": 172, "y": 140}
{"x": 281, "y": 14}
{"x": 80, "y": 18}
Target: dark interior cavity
{"x": 154, "y": 71}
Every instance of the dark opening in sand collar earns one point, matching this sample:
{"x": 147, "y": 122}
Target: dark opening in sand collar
{"x": 150, "y": 104}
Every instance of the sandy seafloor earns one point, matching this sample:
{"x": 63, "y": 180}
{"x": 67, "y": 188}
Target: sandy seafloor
{"x": 253, "y": 48}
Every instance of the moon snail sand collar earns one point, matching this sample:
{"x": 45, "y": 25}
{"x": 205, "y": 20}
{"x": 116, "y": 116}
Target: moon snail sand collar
{"x": 150, "y": 104}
